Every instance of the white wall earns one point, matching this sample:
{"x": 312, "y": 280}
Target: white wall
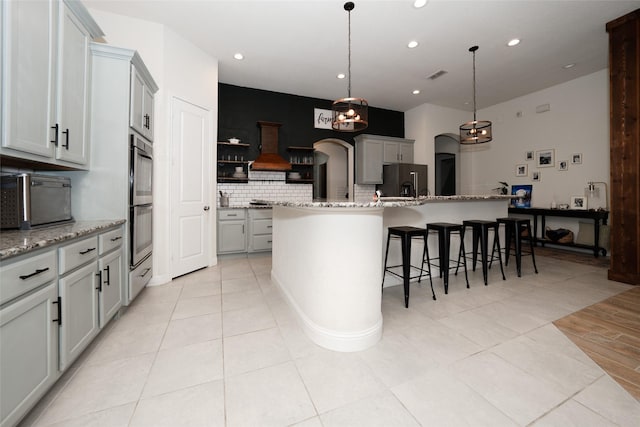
{"x": 423, "y": 124}
{"x": 577, "y": 122}
{"x": 181, "y": 70}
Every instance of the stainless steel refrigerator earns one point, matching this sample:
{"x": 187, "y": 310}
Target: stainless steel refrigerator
{"x": 401, "y": 180}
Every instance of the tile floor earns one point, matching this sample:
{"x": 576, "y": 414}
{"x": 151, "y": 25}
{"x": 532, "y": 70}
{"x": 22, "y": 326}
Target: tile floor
{"x": 220, "y": 347}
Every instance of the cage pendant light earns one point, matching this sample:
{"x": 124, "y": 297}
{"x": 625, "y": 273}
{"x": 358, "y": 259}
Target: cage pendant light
{"x": 476, "y": 131}
{"x": 350, "y": 114}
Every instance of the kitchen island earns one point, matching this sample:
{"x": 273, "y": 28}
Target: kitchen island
{"x": 327, "y": 258}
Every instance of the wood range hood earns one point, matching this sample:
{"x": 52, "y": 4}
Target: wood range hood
{"x": 269, "y": 159}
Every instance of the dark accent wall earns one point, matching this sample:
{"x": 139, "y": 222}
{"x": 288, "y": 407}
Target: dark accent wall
{"x": 240, "y": 108}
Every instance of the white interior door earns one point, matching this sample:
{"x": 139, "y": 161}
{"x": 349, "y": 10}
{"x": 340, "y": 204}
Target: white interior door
{"x": 190, "y": 187}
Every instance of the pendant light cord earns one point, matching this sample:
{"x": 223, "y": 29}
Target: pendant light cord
{"x": 349, "y": 68}
{"x": 474, "y": 84}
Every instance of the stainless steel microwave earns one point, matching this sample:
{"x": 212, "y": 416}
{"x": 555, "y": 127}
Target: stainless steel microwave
{"x": 29, "y": 200}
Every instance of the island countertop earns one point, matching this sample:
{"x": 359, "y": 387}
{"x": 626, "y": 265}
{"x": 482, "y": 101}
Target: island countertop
{"x": 17, "y": 242}
{"x": 387, "y": 202}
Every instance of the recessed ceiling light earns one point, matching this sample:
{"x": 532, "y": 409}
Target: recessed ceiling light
{"x": 415, "y": 92}
{"x": 419, "y": 3}
{"x": 238, "y": 56}
{"x": 412, "y": 44}
{"x": 467, "y": 103}
{"x": 566, "y": 67}
{"x": 341, "y": 76}
{"x": 513, "y": 42}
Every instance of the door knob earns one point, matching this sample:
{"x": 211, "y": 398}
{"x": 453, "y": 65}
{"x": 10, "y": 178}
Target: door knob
{"x": 206, "y": 208}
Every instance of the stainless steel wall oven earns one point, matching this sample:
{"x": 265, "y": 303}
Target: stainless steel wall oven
{"x": 140, "y": 200}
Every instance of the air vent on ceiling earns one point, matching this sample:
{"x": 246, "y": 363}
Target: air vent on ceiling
{"x": 437, "y": 74}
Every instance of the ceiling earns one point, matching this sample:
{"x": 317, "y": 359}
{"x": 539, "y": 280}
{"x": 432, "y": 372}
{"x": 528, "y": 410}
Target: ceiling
{"x": 299, "y": 46}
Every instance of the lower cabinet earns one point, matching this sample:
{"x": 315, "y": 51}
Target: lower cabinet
{"x": 232, "y": 231}
{"x": 28, "y": 352}
{"x": 260, "y": 230}
{"x": 244, "y": 230}
{"x": 78, "y": 291}
{"x": 109, "y": 286}
{"x": 53, "y": 303}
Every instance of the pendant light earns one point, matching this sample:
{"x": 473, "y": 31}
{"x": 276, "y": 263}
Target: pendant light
{"x": 350, "y": 114}
{"x": 476, "y": 131}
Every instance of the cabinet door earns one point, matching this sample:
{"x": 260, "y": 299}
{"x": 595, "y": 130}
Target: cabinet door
{"x": 232, "y": 236}
{"x": 391, "y": 152}
{"x": 406, "y": 152}
{"x": 147, "y": 116}
{"x": 28, "y": 32}
{"x": 369, "y": 159}
{"x": 110, "y": 292}
{"x": 28, "y": 352}
{"x": 73, "y": 90}
{"x": 136, "y": 107}
{"x": 79, "y": 313}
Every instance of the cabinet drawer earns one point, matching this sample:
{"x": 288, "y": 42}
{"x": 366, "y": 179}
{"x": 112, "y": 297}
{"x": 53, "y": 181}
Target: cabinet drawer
{"x": 19, "y": 277}
{"x": 231, "y": 214}
{"x": 262, "y": 226}
{"x": 110, "y": 240}
{"x": 263, "y": 213}
{"x": 77, "y": 254}
{"x": 262, "y": 243}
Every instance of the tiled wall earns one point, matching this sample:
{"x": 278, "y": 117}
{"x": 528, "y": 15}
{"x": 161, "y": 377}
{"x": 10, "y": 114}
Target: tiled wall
{"x": 272, "y": 186}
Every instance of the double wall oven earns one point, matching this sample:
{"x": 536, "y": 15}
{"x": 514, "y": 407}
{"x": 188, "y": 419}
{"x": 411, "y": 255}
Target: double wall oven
{"x": 140, "y": 212}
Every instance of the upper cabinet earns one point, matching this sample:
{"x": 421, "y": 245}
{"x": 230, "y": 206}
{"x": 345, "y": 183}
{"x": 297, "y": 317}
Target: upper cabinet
{"x": 398, "y": 150}
{"x": 374, "y": 151}
{"x": 141, "y": 109}
{"x": 46, "y": 81}
{"x": 369, "y": 158}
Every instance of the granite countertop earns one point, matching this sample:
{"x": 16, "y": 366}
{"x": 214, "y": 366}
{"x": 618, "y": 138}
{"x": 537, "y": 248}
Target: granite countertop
{"x": 389, "y": 202}
{"x": 17, "y": 242}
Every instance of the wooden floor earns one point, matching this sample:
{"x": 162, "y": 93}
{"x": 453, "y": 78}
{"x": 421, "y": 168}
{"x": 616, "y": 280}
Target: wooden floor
{"x": 609, "y": 332}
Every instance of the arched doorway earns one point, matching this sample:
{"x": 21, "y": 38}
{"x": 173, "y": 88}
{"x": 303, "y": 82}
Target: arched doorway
{"x": 333, "y": 173}
{"x": 447, "y": 164}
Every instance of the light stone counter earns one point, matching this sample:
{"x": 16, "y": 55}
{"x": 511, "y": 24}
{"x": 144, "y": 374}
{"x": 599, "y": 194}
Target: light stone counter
{"x": 327, "y": 258}
{"x": 18, "y": 242}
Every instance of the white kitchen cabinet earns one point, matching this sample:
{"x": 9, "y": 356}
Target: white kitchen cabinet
{"x": 46, "y": 61}
{"x": 28, "y": 352}
{"x": 28, "y": 332}
{"x": 369, "y": 159}
{"x": 72, "y": 112}
{"x": 232, "y": 231}
{"x": 398, "y": 151}
{"x": 141, "y": 109}
{"x": 79, "y": 298}
{"x": 110, "y": 274}
{"x": 260, "y": 230}
{"x": 28, "y": 73}
{"x": 104, "y": 192}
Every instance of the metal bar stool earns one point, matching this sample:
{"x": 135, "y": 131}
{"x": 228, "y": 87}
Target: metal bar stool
{"x": 444, "y": 230}
{"x": 513, "y": 228}
{"x": 480, "y": 229}
{"x": 406, "y": 234}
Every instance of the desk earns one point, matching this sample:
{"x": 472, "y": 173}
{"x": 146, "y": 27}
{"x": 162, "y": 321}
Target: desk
{"x": 598, "y": 217}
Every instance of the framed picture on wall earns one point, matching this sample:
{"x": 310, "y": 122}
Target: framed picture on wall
{"x": 522, "y": 170}
{"x": 576, "y": 159}
{"x": 578, "y": 202}
{"x": 545, "y": 158}
{"x": 522, "y": 195}
{"x": 563, "y": 165}
{"x": 528, "y": 155}
{"x": 535, "y": 176}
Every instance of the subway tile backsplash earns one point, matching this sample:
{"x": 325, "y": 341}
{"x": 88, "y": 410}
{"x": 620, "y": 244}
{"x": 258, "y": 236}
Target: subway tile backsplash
{"x": 272, "y": 186}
